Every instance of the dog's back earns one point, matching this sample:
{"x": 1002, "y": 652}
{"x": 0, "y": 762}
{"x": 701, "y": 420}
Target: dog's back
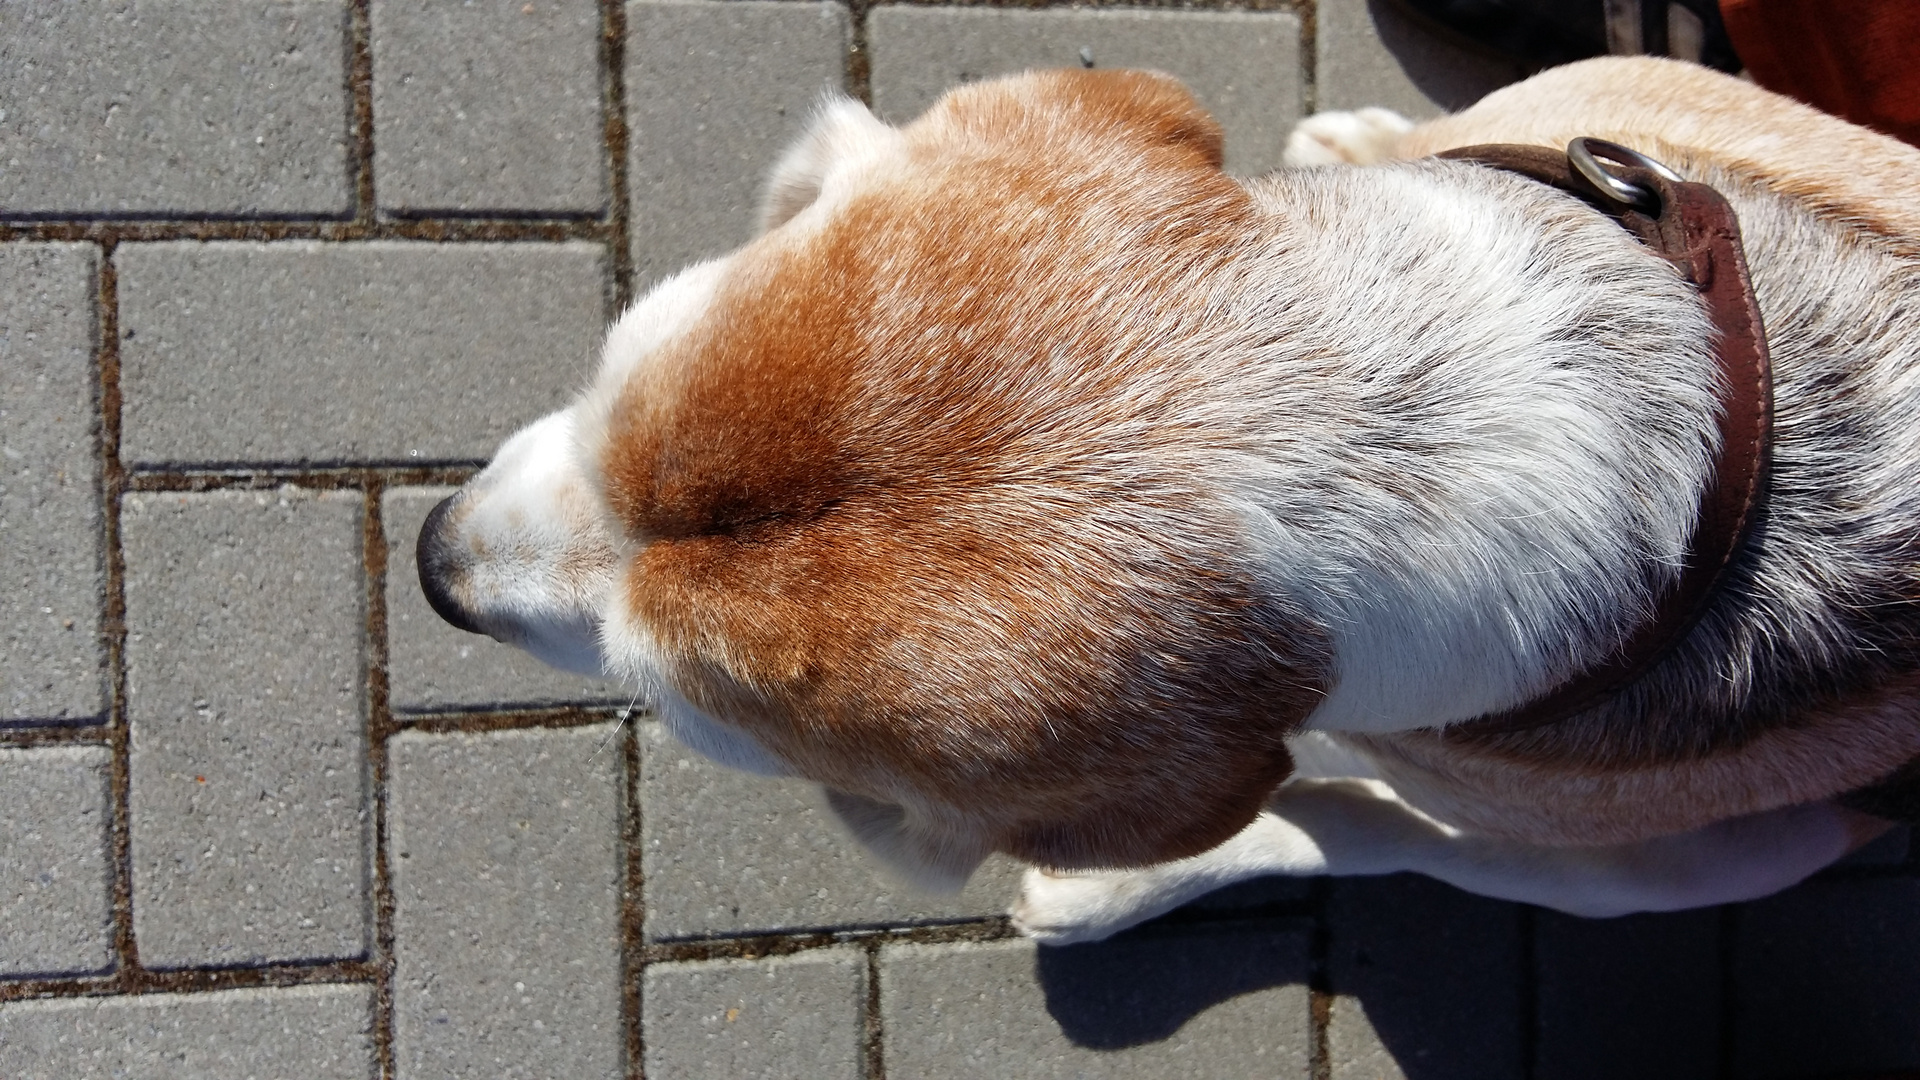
{"x": 1841, "y": 172}
{"x": 1800, "y": 683}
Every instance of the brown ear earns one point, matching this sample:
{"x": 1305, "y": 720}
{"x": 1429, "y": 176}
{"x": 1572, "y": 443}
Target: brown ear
{"x": 1140, "y": 828}
{"x": 1151, "y": 104}
{"x": 1135, "y": 828}
{"x": 1051, "y": 108}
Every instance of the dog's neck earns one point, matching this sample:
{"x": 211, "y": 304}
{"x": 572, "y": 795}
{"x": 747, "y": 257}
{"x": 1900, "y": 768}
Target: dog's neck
{"x": 1502, "y": 422}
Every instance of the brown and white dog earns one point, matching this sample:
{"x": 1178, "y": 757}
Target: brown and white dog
{"x": 1039, "y": 488}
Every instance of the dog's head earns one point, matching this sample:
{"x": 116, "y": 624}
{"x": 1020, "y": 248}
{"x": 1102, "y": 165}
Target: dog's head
{"x": 910, "y": 495}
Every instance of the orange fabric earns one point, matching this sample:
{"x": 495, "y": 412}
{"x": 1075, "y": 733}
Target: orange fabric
{"x": 1858, "y": 59}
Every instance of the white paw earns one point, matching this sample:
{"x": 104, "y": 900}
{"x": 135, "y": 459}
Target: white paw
{"x": 1063, "y": 908}
{"x": 1361, "y": 137}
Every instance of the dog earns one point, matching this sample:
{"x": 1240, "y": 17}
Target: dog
{"x": 1038, "y": 488}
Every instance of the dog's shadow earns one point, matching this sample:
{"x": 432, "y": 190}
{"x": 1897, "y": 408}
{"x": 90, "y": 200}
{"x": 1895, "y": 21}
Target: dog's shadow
{"x": 1424, "y": 981}
{"x": 1144, "y": 987}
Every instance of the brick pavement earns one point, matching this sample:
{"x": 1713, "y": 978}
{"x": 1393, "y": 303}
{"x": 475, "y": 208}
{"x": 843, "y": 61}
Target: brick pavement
{"x": 274, "y": 273}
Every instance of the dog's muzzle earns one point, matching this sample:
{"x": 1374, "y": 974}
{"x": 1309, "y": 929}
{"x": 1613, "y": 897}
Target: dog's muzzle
{"x": 439, "y": 569}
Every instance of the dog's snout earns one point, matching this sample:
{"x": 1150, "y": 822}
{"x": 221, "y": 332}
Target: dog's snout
{"x": 437, "y": 566}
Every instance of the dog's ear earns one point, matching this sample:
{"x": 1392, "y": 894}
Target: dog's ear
{"x": 1146, "y": 109}
{"x": 843, "y": 135}
{"x": 1151, "y": 105}
{"x": 1159, "y": 822}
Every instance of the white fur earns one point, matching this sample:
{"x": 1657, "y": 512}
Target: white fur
{"x": 534, "y": 556}
{"x": 710, "y": 738}
{"x": 1362, "y": 137}
{"x": 1354, "y": 827}
{"x": 844, "y": 144}
{"x": 1512, "y": 560}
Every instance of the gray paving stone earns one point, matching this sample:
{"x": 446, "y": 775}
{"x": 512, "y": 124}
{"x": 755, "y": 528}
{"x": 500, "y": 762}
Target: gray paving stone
{"x": 432, "y": 667}
{"x": 1211, "y": 1004}
{"x": 800, "y": 1015}
{"x": 488, "y": 106}
{"x": 161, "y": 107}
{"x": 55, "y": 904}
{"x": 247, "y": 711}
{"x": 1826, "y": 980}
{"x": 303, "y": 1032}
{"x": 1371, "y": 54}
{"x": 715, "y": 91}
{"x": 726, "y": 852}
{"x": 304, "y": 352}
{"x": 51, "y": 580}
{"x": 504, "y": 850}
{"x": 1632, "y": 997}
{"x": 1244, "y": 66}
{"x": 1427, "y": 982}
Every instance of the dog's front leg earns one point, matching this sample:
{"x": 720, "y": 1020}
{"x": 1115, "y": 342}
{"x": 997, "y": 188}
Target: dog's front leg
{"x": 1361, "y": 137}
{"x": 1360, "y": 827}
{"x": 1341, "y": 826}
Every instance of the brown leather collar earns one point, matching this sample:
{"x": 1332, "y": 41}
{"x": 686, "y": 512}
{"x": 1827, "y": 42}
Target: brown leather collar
{"x": 1692, "y": 227}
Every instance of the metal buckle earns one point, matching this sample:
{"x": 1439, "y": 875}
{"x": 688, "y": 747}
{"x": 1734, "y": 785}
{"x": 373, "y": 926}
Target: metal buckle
{"x": 1586, "y": 154}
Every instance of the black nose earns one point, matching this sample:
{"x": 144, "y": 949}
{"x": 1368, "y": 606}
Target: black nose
{"x": 430, "y": 554}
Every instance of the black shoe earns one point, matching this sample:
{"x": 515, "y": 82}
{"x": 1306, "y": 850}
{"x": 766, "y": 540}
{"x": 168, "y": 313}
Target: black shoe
{"x": 1542, "y": 33}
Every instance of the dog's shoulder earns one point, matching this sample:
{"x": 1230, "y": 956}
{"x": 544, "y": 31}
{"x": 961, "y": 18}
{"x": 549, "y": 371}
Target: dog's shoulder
{"x": 1685, "y": 113}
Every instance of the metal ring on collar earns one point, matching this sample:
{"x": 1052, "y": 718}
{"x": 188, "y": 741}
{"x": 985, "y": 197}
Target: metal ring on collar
{"x": 1587, "y": 153}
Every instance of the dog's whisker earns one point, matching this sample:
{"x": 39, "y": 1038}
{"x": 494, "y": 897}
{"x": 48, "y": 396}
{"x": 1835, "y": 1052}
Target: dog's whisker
{"x": 623, "y": 716}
